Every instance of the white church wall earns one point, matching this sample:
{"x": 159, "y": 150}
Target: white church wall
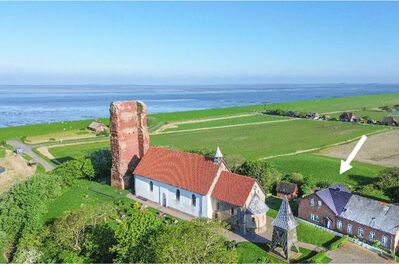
{"x": 142, "y": 189}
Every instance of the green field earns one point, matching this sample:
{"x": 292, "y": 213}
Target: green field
{"x": 85, "y": 193}
{"x": 263, "y": 140}
{"x": 227, "y": 122}
{"x": 320, "y": 168}
{"x": 64, "y": 153}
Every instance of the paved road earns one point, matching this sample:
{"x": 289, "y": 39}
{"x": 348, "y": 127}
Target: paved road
{"x": 28, "y": 150}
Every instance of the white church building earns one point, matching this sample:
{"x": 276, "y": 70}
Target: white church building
{"x": 200, "y": 187}
{"x": 194, "y": 184}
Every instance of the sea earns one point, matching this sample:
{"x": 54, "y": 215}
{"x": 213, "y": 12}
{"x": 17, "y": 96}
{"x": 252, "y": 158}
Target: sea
{"x": 32, "y": 104}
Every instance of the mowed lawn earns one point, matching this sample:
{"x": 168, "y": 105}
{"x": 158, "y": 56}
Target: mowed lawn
{"x": 320, "y": 168}
{"x": 64, "y": 153}
{"x": 85, "y": 193}
{"x": 264, "y": 140}
{"x": 227, "y": 122}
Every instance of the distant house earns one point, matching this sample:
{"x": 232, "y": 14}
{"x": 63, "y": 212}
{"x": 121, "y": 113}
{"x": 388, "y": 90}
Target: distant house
{"x": 314, "y": 116}
{"x": 97, "y": 127}
{"x": 389, "y": 121}
{"x": 347, "y": 117}
{"x": 287, "y": 189}
{"x": 338, "y": 209}
{"x": 19, "y": 151}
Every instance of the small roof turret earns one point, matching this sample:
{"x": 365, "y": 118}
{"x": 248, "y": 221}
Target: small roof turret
{"x": 218, "y": 153}
{"x": 218, "y": 156}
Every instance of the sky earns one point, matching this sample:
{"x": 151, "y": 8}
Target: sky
{"x": 198, "y": 42}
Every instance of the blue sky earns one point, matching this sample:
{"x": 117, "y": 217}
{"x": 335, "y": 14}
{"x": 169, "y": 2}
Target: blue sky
{"x": 198, "y": 43}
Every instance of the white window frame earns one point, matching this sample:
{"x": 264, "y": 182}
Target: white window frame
{"x": 372, "y": 236}
{"x": 314, "y": 218}
{"x": 319, "y": 203}
{"x": 384, "y": 240}
{"x": 360, "y": 232}
{"x": 349, "y": 229}
{"x": 312, "y": 201}
{"x": 339, "y": 225}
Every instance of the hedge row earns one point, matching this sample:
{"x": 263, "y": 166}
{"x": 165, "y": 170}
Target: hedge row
{"x": 339, "y": 242}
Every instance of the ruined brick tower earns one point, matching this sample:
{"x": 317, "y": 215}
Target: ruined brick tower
{"x": 130, "y": 140}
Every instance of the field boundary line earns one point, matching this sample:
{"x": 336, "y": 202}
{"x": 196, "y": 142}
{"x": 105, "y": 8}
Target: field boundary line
{"x": 193, "y": 121}
{"x": 324, "y": 147}
{"x": 226, "y": 126}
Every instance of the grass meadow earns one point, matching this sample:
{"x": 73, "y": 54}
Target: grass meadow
{"x": 320, "y": 168}
{"x": 264, "y": 140}
{"x": 227, "y": 122}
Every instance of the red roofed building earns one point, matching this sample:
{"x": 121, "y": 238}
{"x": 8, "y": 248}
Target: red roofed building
{"x": 191, "y": 183}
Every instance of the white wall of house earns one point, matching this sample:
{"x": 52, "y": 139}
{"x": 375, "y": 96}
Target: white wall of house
{"x": 160, "y": 190}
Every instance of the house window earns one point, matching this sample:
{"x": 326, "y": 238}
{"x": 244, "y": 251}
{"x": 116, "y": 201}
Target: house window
{"x": 360, "y": 232}
{"x": 339, "y": 224}
{"x": 384, "y": 241}
{"x": 314, "y": 217}
{"x": 371, "y": 236}
{"x": 319, "y": 203}
{"x": 193, "y": 200}
{"x": 253, "y": 219}
{"x": 217, "y": 206}
{"x": 311, "y": 201}
{"x": 232, "y": 211}
{"x": 178, "y": 195}
{"x": 151, "y": 186}
{"x": 349, "y": 229}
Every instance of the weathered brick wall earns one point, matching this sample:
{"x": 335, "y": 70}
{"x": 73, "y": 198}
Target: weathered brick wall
{"x": 305, "y": 210}
{"x": 366, "y": 232}
{"x": 129, "y": 140}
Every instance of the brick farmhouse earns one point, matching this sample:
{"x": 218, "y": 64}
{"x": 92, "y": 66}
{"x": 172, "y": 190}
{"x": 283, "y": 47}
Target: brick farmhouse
{"x": 369, "y": 220}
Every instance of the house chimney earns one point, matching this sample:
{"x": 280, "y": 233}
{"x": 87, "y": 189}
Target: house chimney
{"x": 130, "y": 140}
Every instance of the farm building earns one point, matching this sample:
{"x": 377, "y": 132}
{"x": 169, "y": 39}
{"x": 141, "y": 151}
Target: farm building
{"x": 347, "y": 117}
{"x": 194, "y": 184}
{"x": 338, "y": 209}
{"x": 389, "y": 121}
{"x": 287, "y": 189}
{"x": 97, "y": 127}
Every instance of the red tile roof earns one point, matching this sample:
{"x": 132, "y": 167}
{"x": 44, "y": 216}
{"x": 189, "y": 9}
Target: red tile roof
{"x": 185, "y": 170}
{"x": 233, "y": 188}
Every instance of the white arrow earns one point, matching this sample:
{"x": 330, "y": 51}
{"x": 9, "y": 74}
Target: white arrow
{"x": 346, "y": 165}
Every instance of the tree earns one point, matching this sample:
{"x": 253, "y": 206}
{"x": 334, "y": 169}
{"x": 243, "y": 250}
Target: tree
{"x": 266, "y": 175}
{"x": 131, "y": 236}
{"x": 295, "y": 177}
{"x": 198, "y": 241}
{"x": 388, "y": 181}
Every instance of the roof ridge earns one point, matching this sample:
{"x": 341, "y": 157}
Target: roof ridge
{"x": 183, "y": 152}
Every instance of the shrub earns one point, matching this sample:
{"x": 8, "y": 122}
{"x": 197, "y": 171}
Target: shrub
{"x": 318, "y": 258}
{"x": 339, "y": 242}
{"x": 388, "y": 182}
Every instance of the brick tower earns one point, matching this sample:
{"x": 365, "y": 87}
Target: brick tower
{"x": 130, "y": 140}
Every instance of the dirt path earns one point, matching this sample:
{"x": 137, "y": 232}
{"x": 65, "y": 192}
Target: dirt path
{"x": 16, "y": 170}
{"x": 351, "y": 253}
{"x": 380, "y": 149}
{"x": 227, "y": 126}
{"x": 175, "y": 124}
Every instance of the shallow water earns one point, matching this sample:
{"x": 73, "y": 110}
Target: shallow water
{"x": 41, "y": 104}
